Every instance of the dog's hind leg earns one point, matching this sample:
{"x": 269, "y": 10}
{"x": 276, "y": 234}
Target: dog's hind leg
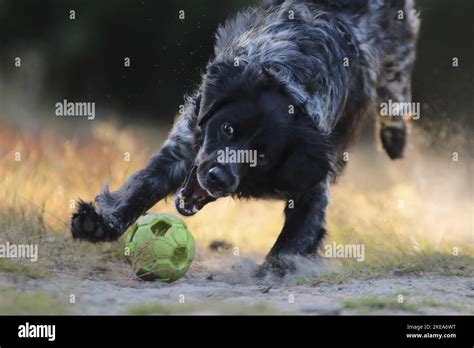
{"x": 394, "y": 87}
{"x": 114, "y": 212}
{"x": 302, "y": 232}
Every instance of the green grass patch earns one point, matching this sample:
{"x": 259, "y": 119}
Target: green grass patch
{"x": 367, "y": 305}
{"x": 211, "y": 308}
{"x": 24, "y": 268}
{"x": 30, "y": 303}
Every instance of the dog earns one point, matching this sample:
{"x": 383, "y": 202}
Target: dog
{"x": 293, "y": 81}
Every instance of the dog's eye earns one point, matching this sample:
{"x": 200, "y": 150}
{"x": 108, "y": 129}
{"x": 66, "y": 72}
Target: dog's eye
{"x": 227, "y": 129}
{"x": 262, "y": 159}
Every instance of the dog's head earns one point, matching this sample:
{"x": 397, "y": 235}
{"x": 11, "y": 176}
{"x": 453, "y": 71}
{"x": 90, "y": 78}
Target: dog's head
{"x": 253, "y": 141}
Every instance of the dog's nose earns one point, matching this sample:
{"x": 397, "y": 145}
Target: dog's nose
{"x": 219, "y": 178}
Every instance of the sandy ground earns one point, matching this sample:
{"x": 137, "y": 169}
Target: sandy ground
{"x": 235, "y": 292}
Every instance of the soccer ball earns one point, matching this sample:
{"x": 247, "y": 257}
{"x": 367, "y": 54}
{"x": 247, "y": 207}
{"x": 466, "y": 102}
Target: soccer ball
{"x": 160, "y": 247}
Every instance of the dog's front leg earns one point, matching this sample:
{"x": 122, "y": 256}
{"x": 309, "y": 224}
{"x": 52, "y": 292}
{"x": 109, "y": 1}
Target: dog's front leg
{"x": 302, "y": 232}
{"x": 114, "y": 212}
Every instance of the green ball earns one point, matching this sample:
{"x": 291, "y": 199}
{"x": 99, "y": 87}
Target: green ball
{"x": 160, "y": 247}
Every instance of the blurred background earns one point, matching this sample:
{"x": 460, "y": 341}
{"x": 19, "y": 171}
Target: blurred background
{"x": 83, "y": 59}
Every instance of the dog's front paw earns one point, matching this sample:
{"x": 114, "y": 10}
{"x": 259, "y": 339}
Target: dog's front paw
{"x": 275, "y": 266}
{"x": 87, "y": 225}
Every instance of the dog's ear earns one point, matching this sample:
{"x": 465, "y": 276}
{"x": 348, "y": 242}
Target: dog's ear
{"x": 218, "y": 88}
{"x": 306, "y": 162}
{"x": 211, "y": 109}
{"x": 226, "y": 82}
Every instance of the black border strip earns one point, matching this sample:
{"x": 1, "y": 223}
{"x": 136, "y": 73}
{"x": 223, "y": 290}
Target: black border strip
{"x": 287, "y": 330}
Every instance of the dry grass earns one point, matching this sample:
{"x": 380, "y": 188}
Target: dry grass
{"x": 419, "y": 236}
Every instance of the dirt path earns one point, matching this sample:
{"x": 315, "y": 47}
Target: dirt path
{"x": 421, "y": 295}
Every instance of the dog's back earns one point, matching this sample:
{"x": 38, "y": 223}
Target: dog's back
{"x": 338, "y": 59}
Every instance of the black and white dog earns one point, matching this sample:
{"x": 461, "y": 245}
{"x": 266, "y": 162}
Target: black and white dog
{"x": 293, "y": 81}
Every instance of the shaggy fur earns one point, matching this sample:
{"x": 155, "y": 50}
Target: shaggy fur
{"x": 295, "y": 80}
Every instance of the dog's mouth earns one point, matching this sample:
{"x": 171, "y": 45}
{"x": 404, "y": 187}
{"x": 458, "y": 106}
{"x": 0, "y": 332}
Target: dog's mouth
{"x": 192, "y": 197}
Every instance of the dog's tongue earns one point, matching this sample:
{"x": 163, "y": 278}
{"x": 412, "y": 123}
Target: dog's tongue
{"x": 192, "y": 197}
